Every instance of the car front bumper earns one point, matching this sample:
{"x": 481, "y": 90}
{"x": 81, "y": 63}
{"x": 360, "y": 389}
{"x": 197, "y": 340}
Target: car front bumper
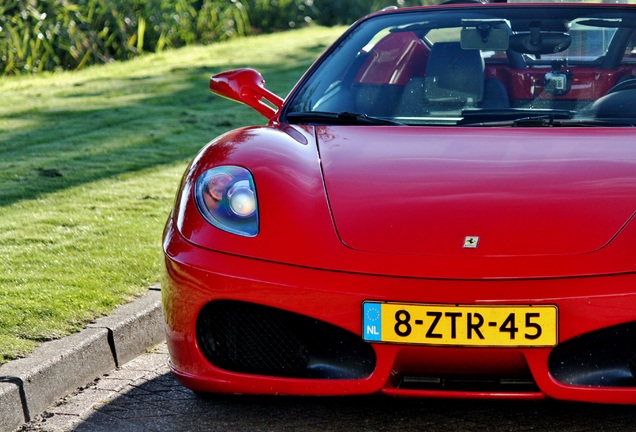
{"x": 320, "y": 311}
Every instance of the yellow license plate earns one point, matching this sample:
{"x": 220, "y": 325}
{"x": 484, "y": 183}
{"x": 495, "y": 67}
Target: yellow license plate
{"x": 461, "y": 325}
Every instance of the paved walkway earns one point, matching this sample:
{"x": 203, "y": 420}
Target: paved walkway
{"x": 143, "y": 396}
{"x": 113, "y": 402}
{"x": 29, "y": 386}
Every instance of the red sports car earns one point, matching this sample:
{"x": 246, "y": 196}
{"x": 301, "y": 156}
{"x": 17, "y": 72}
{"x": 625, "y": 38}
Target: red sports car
{"x": 444, "y": 206}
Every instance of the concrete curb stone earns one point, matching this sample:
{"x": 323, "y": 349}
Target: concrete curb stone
{"x": 30, "y": 385}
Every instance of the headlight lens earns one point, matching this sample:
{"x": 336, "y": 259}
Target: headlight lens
{"x": 242, "y": 198}
{"x": 226, "y": 197}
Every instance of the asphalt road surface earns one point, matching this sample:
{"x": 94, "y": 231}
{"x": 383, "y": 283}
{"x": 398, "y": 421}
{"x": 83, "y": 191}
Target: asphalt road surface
{"x": 143, "y": 396}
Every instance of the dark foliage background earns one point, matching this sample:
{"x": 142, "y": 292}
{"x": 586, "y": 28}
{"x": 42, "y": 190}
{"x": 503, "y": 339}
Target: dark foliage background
{"x": 39, "y": 35}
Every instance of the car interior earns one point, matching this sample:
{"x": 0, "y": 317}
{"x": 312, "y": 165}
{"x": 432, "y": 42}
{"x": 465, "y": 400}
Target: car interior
{"x": 586, "y": 65}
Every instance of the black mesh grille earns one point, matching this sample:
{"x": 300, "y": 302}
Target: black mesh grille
{"x": 603, "y": 358}
{"x": 249, "y": 338}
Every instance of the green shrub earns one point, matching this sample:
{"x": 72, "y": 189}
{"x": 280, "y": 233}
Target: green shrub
{"x": 38, "y": 35}
{"x": 271, "y": 15}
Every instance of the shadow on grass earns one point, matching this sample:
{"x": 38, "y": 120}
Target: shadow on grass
{"x": 106, "y": 127}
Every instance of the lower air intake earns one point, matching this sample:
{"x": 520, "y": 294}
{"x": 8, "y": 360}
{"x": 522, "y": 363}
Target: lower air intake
{"x": 249, "y": 338}
{"x": 603, "y": 358}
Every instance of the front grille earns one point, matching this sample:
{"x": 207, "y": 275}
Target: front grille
{"x": 602, "y": 358}
{"x": 249, "y": 338}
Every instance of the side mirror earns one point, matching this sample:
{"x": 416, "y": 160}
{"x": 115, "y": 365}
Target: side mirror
{"x": 246, "y": 86}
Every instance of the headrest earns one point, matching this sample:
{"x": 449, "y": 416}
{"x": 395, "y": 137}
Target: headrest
{"x": 619, "y": 104}
{"x": 454, "y": 76}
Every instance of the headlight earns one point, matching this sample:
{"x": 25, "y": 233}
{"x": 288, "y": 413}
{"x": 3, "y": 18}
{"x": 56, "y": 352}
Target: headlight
{"x": 226, "y": 198}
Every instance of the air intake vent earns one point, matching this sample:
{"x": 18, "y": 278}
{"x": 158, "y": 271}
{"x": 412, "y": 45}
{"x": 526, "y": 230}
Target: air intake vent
{"x": 249, "y": 338}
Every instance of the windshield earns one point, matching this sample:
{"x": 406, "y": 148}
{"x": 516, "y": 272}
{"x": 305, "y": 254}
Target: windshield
{"x": 478, "y": 65}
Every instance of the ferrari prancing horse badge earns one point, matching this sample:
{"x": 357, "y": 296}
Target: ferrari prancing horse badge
{"x": 470, "y": 242}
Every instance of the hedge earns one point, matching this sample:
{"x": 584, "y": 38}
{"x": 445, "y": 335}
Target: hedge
{"x": 45, "y": 35}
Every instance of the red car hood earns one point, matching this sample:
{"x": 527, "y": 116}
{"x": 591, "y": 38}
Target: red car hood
{"x": 424, "y": 191}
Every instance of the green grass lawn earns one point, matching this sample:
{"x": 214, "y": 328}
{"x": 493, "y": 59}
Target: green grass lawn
{"x": 90, "y": 164}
